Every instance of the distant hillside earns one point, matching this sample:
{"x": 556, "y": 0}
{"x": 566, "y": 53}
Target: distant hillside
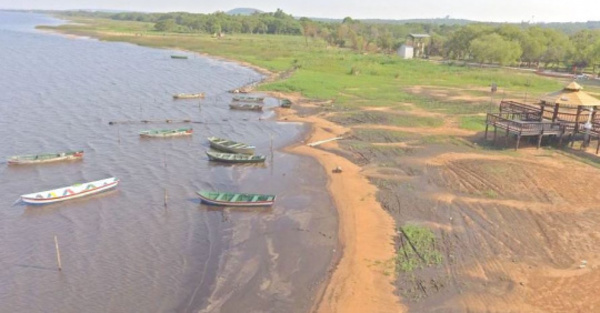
{"x": 243, "y": 11}
{"x": 431, "y": 21}
{"x": 571, "y": 28}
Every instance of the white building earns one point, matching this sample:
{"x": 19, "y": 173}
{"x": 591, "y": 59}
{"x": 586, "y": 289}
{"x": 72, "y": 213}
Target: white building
{"x": 406, "y": 52}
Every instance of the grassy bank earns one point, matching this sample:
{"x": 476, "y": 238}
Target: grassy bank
{"x": 324, "y": 72}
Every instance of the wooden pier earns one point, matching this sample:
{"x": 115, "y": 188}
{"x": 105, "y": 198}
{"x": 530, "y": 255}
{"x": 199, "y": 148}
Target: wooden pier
{"x": 524, "y": 124}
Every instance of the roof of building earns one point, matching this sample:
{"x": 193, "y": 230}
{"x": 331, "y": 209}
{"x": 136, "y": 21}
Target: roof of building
{"x": 571, "y": 95}
{"x": 419, "y": 35}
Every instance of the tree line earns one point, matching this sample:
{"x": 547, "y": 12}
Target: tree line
{"x": 523, "y": 44}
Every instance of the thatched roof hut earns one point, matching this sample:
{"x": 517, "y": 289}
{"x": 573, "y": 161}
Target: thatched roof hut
{"x": 567, "y": 105}
{"x": 570, "y": 96}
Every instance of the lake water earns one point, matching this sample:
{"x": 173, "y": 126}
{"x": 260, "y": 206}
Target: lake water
{"x": 123, "y": 251}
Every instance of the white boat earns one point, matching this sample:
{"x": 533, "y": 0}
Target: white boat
{"x": 70, "y": 192}
{"x": 188, "y": 95}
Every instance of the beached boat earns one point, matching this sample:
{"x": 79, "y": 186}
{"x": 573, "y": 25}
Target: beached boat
{"x": 70, "y": 192}
{"x": 188, "y": 95}
{"x": 244, "y": 98}
{"x": 167, "y": 132}
{"x": 285, "y": 103}
{"x": 235, "y": 157}
{"x": 45, "y": 157}
{"x": 230, "y": 146}
{"x": 179, "y": 57}
{"x": 246, "y": 106}
{"x": 236, "y": 199}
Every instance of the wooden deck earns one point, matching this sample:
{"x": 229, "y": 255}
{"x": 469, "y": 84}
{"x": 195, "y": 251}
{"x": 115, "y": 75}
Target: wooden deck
{"x": 526, "y": 120}
{"x": 522, "y": 124}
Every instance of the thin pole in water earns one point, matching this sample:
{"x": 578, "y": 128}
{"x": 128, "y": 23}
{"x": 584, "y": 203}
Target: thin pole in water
{"x": 57, "y": 253}
{"x": 166, "y": 197}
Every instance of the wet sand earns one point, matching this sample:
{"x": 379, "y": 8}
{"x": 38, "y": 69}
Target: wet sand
{"x": 362, "y": 280}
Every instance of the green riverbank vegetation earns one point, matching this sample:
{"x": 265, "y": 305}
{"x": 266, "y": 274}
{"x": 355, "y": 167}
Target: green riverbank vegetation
{"x": 566, "y": 46}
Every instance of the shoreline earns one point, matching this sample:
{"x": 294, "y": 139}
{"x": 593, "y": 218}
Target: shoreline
{"x": 357, "y": 280}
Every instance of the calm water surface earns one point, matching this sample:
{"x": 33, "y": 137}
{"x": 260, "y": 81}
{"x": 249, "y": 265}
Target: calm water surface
{"x": 123, "y": 251}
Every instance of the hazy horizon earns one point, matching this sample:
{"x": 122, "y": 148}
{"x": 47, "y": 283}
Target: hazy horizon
{"x": 513, "y": 11}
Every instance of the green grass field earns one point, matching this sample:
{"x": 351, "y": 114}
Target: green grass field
{"x": 321, "y": 72}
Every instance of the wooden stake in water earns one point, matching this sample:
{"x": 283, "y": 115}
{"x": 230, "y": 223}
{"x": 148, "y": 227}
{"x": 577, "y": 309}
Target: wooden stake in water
{"x": 57, "y": 253}
{"x": 119, "y": 134}
{"x": 166, "y": 197}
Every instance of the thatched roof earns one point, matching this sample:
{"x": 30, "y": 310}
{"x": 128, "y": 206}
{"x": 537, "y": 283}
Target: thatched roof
{"x": 571, "y": 96}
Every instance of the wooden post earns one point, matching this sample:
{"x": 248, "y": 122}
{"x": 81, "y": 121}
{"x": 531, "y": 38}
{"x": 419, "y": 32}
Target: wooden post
{"x": 57, "y": 253}
{"x": 166, "y": 198}
{"x": 540, "y": 139}
{"x": 576, "y": 130}
{"x": 495, "y": 133}
{"x": 555, "y": 114}
{"x": 518, "y": 141}
{"x": 560, "y": 139}
{"x": 119, "y": 134}
{"x": 506, "y": 138}
{"x": 486, "y": 129}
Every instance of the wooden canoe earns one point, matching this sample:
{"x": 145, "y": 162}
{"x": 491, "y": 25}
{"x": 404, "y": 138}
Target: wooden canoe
{"x": 179, "y": 57}
{"x": 246, "y": 106}
{"x": 235, "y": 157}
{"x": 161, "y": 133}
{"x": 45, "y": 157}
{"x": 236, "y": 199}
{"x": 70, "y": 192}
{"x": 188, "y": 95}
{"x": 244, "y": 98}
{"x": 230, "y": 146}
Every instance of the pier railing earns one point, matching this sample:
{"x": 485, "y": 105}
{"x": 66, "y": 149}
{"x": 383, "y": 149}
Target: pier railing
{"x": 516, "y": 107}
{"x": 523, "y": 123}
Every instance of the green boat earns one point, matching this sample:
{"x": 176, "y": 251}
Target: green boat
{"x": 285, "y": 103}
{"x": 246, "y": 106}
{"x": 236, "y": 199}
{"x": 235, "y": 157}
{"x": 45, "y": 157}
{"x": 230, "y": 146}
{"x": 167, "y": 132}
{"x": 179, "y": 57}
{"x": 248, "y": 98}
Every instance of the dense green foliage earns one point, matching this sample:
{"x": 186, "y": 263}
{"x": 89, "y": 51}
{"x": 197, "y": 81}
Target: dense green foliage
{"x": 523, "y": 44}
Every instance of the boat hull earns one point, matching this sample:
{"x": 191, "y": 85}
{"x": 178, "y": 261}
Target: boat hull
{"x": 234, "y": 159}
{"x": 210, "y": 201}
{"x": 188, "y": 96}
{"x": 71, "y": 192}
{"x": 16, "y": 160}
{"x": 215, "y": 143}
{"x": 150, "y": 134}
{"x": 246, "y": 107}
{"x": 248, "y": 99}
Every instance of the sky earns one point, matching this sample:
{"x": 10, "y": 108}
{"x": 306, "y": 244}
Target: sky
{"x": 533, "y": 11}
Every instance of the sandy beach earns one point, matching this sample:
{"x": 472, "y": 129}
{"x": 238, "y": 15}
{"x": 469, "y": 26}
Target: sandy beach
{"x": 362, "y": 279}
